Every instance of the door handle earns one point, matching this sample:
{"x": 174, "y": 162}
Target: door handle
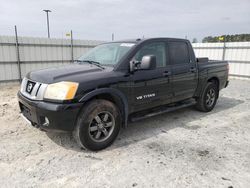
{"x": 192, "y": 69}
{"x": 166, "y": 73}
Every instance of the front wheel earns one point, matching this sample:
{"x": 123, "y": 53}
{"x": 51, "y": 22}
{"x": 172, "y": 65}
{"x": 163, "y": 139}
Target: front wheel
{"x": 208, "y": 98}
{"x": 98, "y": 125}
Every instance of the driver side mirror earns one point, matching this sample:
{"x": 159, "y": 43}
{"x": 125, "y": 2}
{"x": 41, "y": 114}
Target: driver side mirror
{"x": 148, "y": 62}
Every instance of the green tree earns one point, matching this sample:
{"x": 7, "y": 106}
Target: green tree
{"x": 228, "y": 38}
{"x": 194, "y": 40}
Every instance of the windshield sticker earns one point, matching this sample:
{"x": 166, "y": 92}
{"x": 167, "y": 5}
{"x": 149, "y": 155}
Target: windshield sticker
{"x": 127, "y": 44}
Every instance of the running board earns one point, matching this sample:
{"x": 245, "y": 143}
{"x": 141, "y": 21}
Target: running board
{"x": 160, "y": 110}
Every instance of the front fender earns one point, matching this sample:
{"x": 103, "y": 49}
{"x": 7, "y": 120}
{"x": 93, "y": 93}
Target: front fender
{"x": 113, "y": 92}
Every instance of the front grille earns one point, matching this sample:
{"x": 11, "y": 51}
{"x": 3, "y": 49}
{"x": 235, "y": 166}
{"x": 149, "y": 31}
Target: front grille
{"x": 33, "y": 90}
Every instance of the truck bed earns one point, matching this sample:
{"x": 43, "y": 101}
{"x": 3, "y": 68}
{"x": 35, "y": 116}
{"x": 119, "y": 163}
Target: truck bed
{"x": 212, "y": 68}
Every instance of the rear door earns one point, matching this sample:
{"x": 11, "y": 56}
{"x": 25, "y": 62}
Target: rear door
{"x": 151, "y": 88}
{"x": 184, "y": 72}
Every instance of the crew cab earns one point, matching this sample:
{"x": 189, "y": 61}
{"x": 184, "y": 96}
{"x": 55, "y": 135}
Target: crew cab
{"x": 119, "y": 82}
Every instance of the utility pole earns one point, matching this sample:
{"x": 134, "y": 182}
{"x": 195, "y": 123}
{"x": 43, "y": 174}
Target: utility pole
{"x": 71, "y": 46}
{"x": 113, "y": 36}
{"x": 47, "y": 13}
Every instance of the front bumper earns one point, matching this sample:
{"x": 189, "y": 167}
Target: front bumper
{"x": 49, "y": 116}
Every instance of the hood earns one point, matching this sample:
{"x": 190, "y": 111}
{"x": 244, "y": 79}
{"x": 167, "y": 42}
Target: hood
{"x": 64, "y": 73}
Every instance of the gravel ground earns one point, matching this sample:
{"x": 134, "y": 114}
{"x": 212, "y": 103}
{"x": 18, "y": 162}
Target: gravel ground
{"x": 185, "y": 148}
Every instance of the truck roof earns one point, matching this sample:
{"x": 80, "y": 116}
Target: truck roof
{"x": 147, "y": 39}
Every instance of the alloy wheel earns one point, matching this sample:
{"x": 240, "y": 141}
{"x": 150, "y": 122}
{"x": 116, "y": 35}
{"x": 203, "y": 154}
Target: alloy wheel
{"x": 210, "y": 98}
{"x": 101, "y": 126}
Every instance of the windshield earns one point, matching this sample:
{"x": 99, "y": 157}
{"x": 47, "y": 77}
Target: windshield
{"x": 107, "y": 54}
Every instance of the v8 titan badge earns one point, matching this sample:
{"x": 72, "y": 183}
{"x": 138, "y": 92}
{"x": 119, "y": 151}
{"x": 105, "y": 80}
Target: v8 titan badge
{"x": 145, "y": 96}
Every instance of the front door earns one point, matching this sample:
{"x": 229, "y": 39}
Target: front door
{"x": 151, "y": 88}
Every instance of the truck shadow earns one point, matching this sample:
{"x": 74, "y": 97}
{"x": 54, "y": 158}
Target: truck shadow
{"x": 152, "y": 127}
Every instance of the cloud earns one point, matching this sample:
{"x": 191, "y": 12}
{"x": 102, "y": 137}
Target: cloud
{"x": 226, "y": 18}
{"x": 93, "y": 19}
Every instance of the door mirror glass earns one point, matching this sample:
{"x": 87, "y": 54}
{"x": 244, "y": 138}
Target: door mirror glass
{"x": 148, "y": 62}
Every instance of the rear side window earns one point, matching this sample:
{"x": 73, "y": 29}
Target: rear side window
{"x": 154, "y": 48}
{"x": 178, "y": 52}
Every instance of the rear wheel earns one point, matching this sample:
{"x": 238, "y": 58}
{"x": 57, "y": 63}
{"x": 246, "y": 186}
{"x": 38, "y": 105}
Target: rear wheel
{"x": 98, "y": 125}
{"x": 208, "y": 98}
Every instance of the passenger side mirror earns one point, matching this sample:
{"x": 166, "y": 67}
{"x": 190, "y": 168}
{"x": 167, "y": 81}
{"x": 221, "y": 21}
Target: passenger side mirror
{"x": 148, "y": 62}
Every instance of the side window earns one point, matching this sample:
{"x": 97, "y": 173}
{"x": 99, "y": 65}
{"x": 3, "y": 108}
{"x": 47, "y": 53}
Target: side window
{"x": 178, "y": 52}
{"x": 156, "y": 48}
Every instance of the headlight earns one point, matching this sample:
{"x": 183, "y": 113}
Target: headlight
{"x": 61, "y": 91}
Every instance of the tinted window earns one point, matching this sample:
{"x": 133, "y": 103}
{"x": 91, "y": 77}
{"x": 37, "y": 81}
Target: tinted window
{"x": 178, "y": 52}
{"x": 155, "y": 48}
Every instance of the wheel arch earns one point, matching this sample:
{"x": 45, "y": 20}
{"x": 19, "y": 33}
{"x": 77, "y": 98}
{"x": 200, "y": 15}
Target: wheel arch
{"x": 203, "y": 83}
{"x": 215, "y": 80}
{"x": 113, "y": 95}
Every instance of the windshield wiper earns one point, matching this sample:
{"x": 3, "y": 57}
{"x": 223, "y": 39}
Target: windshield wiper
{"x": 91, "y": 62}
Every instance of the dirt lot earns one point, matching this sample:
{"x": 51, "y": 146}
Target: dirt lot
{"x": 185, "y": 148}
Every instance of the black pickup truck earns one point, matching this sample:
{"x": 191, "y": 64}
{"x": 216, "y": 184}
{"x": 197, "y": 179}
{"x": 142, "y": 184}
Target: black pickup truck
{"x": 118, "y": 82}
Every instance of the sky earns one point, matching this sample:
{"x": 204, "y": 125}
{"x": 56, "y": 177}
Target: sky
{"x": 98, "y": 19}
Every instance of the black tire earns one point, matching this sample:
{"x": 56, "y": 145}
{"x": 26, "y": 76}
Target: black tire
{"x": 202, "y": 102}
{"x": 89, "y": 126}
